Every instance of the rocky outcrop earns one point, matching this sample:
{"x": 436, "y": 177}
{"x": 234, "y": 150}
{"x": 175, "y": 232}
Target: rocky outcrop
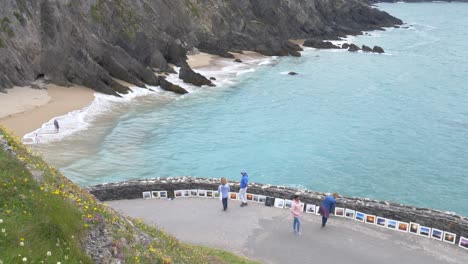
{"x": 91, "y": 42}
{"x": 378, "y": 49}
{"x": 238, "y": 60}
{"x": 345, "y": 46}
{"x": 319, "y": 44}
{"x": 293, "y": 73}
{"x": 366, "y": 48}
{"x": 353, "y": 48}
{"x": 189, "y": 76}
{"x": 168, "y": 86}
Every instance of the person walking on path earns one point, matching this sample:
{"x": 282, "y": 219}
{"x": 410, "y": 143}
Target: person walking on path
{"x": 243, "y": 188}
{"x": 327, "y": 207}
{"x": 224, "y": 192}
{"x": 296, "y": 211}
{"x": 56, "y": 125}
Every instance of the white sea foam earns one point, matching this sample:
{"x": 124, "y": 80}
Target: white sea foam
{"x": 225, "y": 73}
{"x": 80, "y": 120}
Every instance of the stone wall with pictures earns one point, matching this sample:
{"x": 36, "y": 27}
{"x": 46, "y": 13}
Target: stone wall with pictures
{"x": 448, "y": 222}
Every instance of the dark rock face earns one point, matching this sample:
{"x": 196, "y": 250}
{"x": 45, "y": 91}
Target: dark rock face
{"x": 426, "y": 217}
{"x": 353, "y": 48}
{"x": 319, "y": 44}
{"x": 91, "y": 42}
{"x": 293, "y": 73}
{"x": 189, "y": 76}
{"x": 238, "y": 60}
{"x": 366, "y": 48}
{"x": 345, "y": 46}
{"x": 378, "y": 49}
{"x": 168, "y": 86}
{"x": 213, "y": 78}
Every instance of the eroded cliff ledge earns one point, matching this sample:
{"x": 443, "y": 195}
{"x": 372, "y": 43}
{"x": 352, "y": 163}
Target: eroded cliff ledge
{"x": 91, "y": 42}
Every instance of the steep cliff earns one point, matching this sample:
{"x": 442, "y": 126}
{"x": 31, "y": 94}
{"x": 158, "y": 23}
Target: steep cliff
{"x": 90, "y": 42}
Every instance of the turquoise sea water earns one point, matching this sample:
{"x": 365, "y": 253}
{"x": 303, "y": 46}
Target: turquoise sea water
{"x": 391, "y": 127}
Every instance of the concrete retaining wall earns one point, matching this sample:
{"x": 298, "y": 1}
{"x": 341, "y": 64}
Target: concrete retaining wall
{"x": 426, "y": 217}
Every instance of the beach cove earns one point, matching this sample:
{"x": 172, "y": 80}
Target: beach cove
{"x": 330, "y": 128}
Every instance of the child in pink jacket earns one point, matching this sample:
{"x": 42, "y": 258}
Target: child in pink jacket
{"x": 296, "y": 211}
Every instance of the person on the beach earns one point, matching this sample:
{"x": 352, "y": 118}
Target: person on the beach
{"x": 296, "y": 211}
{"x": 224, "y": 190}
{"x": 56, "y": 125}
{"x": 243, "y": 188}
{"x": 327, "y": 207}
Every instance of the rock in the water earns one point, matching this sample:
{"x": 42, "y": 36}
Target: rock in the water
{"x": 213, "y": 78}
{"x": 378, "y": 49}
{"x": 345, "y": 46}
{"x": 189, "y": 76}
{"x": 293, "y": 73}
{"x": 319, "y": 44}
{"x": 168, "y": 86}
{"x": 238, "y": 60}
{"x": 353, "y": 48}
{"x": 366, "y": 48}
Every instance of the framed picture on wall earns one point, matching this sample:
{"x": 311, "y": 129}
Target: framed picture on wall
{"x": 437, "y": 234}
{"x": 310, "y": 208}
{"x": 233, "y": 196}
{"x": 201, "y": 193}
{"x": 403, "y": 227}
{"x": 370, "y": 219}
{"x": 424, "y": 231}
{"x": 163, "y": 194}
{"x": 146, "y": 195}
{"x": 413, "y": 228}
{"x": 450, "y": 237}
{"x": 349, "y": 213}
{"x": 360, "y": 217}
{"x": 194, "y": 193}
{"x": 288, "y": 204}
{"x": 154, "y": 194}
{"x": 339, "y": 211}
{"x": 279, "y": 203}
{"x": 463, "y": 243}
{"x": 381, "y": 221}
{"x": 392, "y": 224}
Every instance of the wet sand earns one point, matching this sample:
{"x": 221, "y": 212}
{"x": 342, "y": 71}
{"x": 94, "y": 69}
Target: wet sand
{"x": 25, "y": 109}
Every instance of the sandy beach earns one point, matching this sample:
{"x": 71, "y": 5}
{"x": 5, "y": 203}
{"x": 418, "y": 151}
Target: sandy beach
{"x": 25, "y": 109}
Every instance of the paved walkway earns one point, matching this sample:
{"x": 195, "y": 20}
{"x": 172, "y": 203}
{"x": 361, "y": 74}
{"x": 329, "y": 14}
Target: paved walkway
{"x": 265, "y": 234}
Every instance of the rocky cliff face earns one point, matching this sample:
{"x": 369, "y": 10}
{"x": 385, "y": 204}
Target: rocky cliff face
{"x": 91, "y": 42}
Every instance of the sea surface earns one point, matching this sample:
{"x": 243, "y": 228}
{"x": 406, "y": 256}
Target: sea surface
{"x": 391, "y": 126}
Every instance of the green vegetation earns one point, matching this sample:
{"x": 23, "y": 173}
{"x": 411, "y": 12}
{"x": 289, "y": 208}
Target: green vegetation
{"x": 46, "y": 217}
{"x": 20, "y": 18}
{"x": 2, "y": 45}
{"x": 193, "y": 7}
{"x": 5, "y": 27}
{"x": 129, "y": 19}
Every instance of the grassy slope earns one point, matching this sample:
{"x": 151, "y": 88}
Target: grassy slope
{"x": 54, "y": 216}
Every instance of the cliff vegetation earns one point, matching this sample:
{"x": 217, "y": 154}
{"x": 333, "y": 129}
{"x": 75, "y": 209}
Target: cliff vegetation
{"x": 46, "y": 218}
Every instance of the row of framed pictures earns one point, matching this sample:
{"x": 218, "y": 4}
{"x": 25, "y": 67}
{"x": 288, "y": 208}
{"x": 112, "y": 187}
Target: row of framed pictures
{"x": 413, "y": 228}
{"x": 154, "y": 194}
{"x": 279, "y": 203}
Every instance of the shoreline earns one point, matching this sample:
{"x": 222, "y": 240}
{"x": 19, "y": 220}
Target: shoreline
{"x": 27, "y": 109}
{"x": 33, "y": 108}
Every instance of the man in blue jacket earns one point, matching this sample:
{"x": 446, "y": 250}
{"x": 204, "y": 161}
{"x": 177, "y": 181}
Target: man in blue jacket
{"x": 243, "y": 188}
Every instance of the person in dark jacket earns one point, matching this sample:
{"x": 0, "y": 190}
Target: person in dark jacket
{"x": 327, "y": 207}
{"x": 56, "y": 125}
